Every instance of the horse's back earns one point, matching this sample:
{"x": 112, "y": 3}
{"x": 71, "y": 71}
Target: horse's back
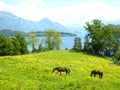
{"x": 62, "y": 69}
{"x": 96, "y": 71}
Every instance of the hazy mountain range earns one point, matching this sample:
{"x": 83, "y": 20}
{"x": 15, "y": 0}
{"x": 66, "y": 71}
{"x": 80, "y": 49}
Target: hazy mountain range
{"x": 10, "y": 21}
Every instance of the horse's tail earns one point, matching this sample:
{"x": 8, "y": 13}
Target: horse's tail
{"x": 68, "y": 71}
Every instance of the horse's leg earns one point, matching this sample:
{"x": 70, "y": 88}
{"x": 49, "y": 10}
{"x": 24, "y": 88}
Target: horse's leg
{"x": 94, "y": 75}
{"x": 60, "y": 72}
{"x": 100, "y": 76}
{"x": 67, "y": 73}
{"x": 57, "y": 72}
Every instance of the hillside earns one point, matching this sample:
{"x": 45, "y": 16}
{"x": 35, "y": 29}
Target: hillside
{"x": 8, "y": 32}
{"x": 34, "y": 72}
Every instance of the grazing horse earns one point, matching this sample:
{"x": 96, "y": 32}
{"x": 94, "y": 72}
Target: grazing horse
{"x": 62, "y": 69}
{"x": 97, "y": 72}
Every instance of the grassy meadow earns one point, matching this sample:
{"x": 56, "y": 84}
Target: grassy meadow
{"x": 34, "y": 72}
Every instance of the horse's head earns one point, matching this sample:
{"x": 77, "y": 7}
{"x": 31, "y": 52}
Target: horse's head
{"x": 92, "y": 72}
{"x": 55, "y": 69}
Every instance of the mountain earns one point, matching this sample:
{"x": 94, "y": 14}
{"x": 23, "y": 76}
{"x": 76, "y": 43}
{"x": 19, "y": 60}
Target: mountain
{"x": 10, "y": 21}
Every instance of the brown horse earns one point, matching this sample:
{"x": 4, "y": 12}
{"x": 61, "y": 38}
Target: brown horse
{"x": 62, "y": 69}
{"x": 97, "y": 72}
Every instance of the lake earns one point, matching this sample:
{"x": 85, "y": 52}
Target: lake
{"x": 67, "y": 42}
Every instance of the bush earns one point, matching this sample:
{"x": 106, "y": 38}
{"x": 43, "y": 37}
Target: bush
{"x": 6, "y": 47}
{"x": 117, "y": 57}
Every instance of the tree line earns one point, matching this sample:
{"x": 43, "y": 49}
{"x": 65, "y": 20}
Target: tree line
{"x": 18, "y": 44}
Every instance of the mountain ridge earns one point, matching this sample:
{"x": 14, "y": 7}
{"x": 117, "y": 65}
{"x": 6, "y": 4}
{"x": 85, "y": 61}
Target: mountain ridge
{"x": 13, "y": 22}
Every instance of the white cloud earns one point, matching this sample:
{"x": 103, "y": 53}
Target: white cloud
{"x": 27, "y": 9}
{"x": 80, "y": 13}
{"x": 2, "y": 5}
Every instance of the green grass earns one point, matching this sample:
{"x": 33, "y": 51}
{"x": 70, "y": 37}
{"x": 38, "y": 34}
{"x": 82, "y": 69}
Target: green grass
{"x": 34, "y": 72}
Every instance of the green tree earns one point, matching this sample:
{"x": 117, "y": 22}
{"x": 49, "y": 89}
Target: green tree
{"x": 116, "y": 34}
{"x": 77, "y": 44}
{"x": 33, "y": 40}
{"x": 6, "y": 47}
{"x": 23, "y": 43}
{"x": 16, "y": 44}
{"x": 41, "y": 48}
{"x": 103, "y": 38}
{"x": 52, "y": 39}
{"x": 87, "y": 47}
{"x": 110, "y": 39}
{"x": 117, "y": 56}
{"x": 95, "y": 35}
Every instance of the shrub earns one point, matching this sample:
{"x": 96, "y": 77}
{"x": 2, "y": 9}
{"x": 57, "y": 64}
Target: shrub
{"x": 117, "y": 57}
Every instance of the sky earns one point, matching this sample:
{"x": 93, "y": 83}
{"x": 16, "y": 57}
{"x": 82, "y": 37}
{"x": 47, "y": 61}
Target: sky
{"x": 66, "y": 12}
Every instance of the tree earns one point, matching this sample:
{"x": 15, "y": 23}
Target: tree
{"x": 110, "y": 39}
{"x": 103, "y": 38}
{"x": 32, "y": 39}
{"x": 116, "y": 34}
{"x": 23, "y": 43}
{"x": 52, "y": 39}
{"x": 117, "y": 56}
{"x": 95, "y": 35}
{"x": 41, "y": 48}
{"x": 6, "y": 47}
{"x": 87, "y": 47}
{"x": 16, "y": 44}
{"x": 77, "y": 44}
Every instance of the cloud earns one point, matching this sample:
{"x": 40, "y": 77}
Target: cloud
{"x": 2, "y": 5}
{"x": 27, "y": 9}
{"x": 71, "y": 14}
